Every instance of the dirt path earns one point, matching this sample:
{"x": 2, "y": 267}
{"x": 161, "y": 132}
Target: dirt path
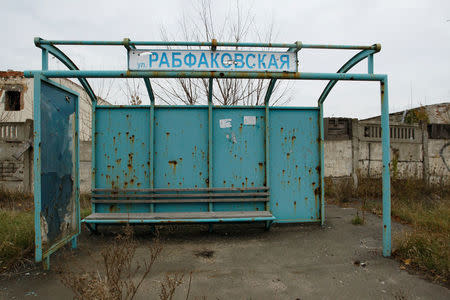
{"x": 244, "y": 261}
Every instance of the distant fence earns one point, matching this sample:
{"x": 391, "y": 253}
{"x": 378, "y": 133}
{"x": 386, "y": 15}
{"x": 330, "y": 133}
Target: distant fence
{"x": 354, "y": 147}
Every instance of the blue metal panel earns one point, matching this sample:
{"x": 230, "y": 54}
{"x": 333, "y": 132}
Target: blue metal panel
{"x": 57, "y": 170}
{"x": 181, "y": 153}
{"x": 238, "y": 153}
{"x": 294, "y": 165}
{"x": 122, "y": 152}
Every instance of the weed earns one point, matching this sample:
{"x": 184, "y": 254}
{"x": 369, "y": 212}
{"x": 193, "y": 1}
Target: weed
{"x": 85, "y": 205}
{"x": 427, "y": 251}
{"x": 16, "y": 236}
{"x": 169, "y": 285}
{"x": 357, "y": 220}
{"x": 116, "y": 281}
{"x": 10, "y": 200}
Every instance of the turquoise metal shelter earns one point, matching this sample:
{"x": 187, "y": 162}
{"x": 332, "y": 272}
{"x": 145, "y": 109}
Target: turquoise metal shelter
{"x": 204, "y": 164}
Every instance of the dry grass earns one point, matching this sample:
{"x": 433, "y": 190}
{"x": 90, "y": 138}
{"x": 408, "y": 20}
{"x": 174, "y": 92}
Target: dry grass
{"x": 85, "y": 205}
{"x": 119, "y": 275}
{"x": 16, "y": 229}
{"x": 16, "y": 237}
{"x": 425, "y": 207}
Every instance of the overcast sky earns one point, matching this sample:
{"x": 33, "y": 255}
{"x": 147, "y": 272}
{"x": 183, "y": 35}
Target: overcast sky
{"x": 415, "y": 39}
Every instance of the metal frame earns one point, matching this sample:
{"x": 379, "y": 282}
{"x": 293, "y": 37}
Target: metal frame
{"x": 48, "y": 46}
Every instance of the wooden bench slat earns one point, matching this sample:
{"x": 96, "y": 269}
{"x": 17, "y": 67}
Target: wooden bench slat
{"x": 179, "y": 195}
{"x": 179, "y": 200}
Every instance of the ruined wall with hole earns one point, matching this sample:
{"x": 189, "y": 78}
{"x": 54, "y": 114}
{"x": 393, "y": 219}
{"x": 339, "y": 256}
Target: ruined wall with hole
{"x": 16, "y": 156}
{"x": 14, "y": 81}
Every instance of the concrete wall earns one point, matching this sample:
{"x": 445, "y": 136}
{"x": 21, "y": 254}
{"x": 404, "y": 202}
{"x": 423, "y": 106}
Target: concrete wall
{"x": 16, "y": 156}
{"x": 85, "y": 166}
{"x": 338, "y": 158}
{"x": 439, "y": 159}
{"x": 413, "y": 153}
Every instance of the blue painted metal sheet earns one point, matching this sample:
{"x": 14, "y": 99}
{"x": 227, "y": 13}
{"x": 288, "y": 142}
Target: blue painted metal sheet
{"x": 181, "y": 158}
{"x": 295, "y": 165}
{"x": 181, "y": 153}
{"x": 56, "y": 163}
{"x": 238, "y": 153}
{"x": 122, "y": 145}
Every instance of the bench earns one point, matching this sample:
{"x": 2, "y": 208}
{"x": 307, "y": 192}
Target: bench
{"x": 182, "y": 195}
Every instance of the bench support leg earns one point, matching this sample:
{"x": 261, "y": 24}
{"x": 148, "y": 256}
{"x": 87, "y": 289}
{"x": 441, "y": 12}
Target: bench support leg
{"x": 74, "y": 242}
{"x": 210, "y": 228}
{"x": 46, "y": 263}
{"x": 268, "y": 224}
{"x": 93, "y": 228}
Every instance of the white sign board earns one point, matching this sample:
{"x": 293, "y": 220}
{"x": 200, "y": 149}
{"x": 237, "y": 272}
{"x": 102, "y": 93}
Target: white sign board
{"x": 208, "y": 60}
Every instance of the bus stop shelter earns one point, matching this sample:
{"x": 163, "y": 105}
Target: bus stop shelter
{"x": 155, "y": 164}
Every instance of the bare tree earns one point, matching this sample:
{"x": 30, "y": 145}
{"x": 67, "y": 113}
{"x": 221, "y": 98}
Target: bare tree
{"x": 132, "y": 90}
{"x": 200, "y": 24}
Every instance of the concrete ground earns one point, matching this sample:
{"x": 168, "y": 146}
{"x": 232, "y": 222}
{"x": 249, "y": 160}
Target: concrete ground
{"x": 287, "y": 262}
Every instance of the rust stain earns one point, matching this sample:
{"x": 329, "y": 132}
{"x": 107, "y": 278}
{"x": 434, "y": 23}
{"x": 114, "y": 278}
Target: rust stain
{"x": 167, "y": 134}
{"x": 113, "y": 208}
{"x": 130, "y": 162}
{"x": 288, "y": 155}
{"x": 173, "y": 164}
{"x": 261, "y": 165}
{"x": 281, "y": 130}
{"x": 317, "y": 191}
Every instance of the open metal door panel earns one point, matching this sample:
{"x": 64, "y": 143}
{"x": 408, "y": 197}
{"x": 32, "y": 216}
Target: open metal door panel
{"x": 56, "y": 159}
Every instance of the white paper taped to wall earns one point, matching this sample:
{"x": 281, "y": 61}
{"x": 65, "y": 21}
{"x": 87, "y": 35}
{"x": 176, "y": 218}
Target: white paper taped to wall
{"x": 225, "y": 123}
{"x": 249, "y": 120}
